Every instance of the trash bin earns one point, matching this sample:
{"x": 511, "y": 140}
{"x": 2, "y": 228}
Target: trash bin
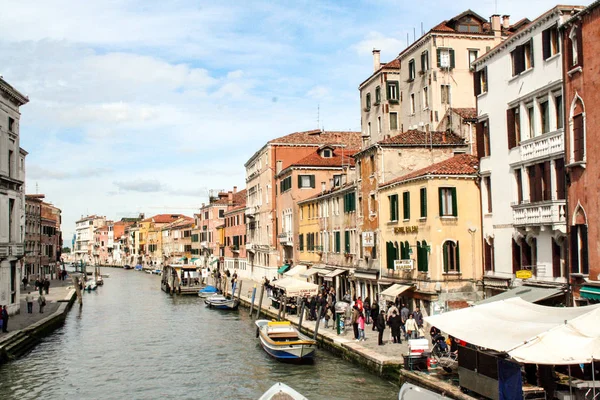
{"x": 340, "y": 316}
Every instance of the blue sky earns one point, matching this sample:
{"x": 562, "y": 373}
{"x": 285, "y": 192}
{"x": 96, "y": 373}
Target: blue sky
{"x": 143, "y": 106}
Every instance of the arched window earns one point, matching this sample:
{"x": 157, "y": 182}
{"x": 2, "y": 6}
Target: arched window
{"x": 574, "y": 56}
{"x": 579, "y": 242}
{"x": 450, "y": 252}
{"x": 577, "y": 138}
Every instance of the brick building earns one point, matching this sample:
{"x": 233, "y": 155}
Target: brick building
{"x": 234, "y": 249}
{"x": 582, "y": 96}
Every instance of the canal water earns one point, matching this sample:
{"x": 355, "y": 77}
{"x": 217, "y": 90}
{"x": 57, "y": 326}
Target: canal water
{"x": 132, "y": 341}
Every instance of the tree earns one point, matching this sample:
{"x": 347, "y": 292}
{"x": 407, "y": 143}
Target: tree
{"x": 66, "y": 250}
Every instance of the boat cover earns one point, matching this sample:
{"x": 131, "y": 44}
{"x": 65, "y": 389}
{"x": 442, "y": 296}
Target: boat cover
{"x": 527, "y": 331}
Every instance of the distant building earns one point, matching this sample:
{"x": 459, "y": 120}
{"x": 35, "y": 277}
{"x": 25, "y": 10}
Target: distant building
{"x": 85, "y": 238}
{"x": 12, "y": 199}
{"x": 234, "y": 235}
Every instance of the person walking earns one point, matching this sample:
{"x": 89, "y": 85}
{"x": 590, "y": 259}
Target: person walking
{"x": 29, "y": 300}
{"x": 38, "y": 285}
{"x": 24, "y": 282}
{"x": 411, "y": 327}
{"x": 355, "y": 314}
{"x": 418, "y": 317}
{"x": 4, "y": 319}
{"x": 47, "y": 285}
{"x": 42, "y": 302}
{"x": 374, "y": 315}
{"x": 380, "y": 322}
{"x": 233, "y": 282}
{"x": 361, "y": 327}
{"x": 367, "y": 305}
{"x": 404, "y": 312}
{"x": 395, "y": 323}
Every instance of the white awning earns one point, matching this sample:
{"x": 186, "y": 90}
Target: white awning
{"x": 507, "y": 324}
{"x": 334, "y": 273}
{"x": 296, "y": 271}
{"x": 310, "y": 272}
{"x": 532, "y": 294}
{"x": 393, "y": 291}
{"x": 295, "y": 287}
{"x": 324, "y": 271}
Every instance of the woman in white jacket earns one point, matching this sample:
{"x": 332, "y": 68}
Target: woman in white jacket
{"x": 411, "y": 327}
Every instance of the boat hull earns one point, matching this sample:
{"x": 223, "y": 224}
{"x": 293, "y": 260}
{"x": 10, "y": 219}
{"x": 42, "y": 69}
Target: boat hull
{"x": 221, "y": 303}
{"x": 299, "y": 350}
{"x": 279, "y": 390}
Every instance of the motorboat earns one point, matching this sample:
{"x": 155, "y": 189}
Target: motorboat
{"x": 207, "y": 291}
{"x": 138, "y": 267}
{"x": 99, "y": 280}
{"x": 221, "y": 302}
{"x": 408, "y": 391}
{"x": 90, "y": 285}
{"x": 156, "y": 271}
{"x": 282, "y": 340}
{"x": 281, "y": 391}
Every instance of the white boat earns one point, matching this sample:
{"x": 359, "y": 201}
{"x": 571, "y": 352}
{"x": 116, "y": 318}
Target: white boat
{"x": 281, "y": 391}
{"x": 221, "y": 302}
{"x": 281, "y": 340}
{"x": 90, "y": 285}
{"x": 408, "y": 391}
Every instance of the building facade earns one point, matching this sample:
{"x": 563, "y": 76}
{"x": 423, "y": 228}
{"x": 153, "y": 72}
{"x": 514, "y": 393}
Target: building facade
{"x": 234, "y": 235}
{"x": 520, "y": 132}
{"x": 51, "y": 239}
{"x": 581, "y": 64}
{"x": 33, "y": 234}
{"x": 430, "y": 222}
{"x": 85, "y": 237}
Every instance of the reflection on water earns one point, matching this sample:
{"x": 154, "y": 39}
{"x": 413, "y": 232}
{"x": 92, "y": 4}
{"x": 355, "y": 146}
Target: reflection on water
{"x": 132, "y": 341}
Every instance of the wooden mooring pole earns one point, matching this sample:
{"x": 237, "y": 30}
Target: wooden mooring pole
{"x": 252, "y": 300}
{"x": 318, "y": 321}
{"x": 260, "y": 299}
{"x": 301, "y": 317}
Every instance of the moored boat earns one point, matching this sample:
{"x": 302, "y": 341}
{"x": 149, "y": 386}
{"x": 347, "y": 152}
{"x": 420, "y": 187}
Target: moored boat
{"x": 90, "y": 285}
{"x": 207, "y": 291}
{"x": 408, "y": 391}
{"x": 221, "y": 302}
{"x": 138, "y": 267}
{"x": 283, "y": 341}
{"x": 281, "y": 391}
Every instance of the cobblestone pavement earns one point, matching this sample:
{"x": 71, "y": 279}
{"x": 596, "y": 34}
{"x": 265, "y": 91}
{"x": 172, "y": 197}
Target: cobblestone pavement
{"x": 58, "y": 291}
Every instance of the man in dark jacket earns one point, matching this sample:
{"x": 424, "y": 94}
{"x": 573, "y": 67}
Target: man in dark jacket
{"x": 380, "y": 326}
{"x": 374, "y": 314}
{"x": 395, "y": 323}
{"x": 4, "y": 319}
{"x": 418, "y": 316}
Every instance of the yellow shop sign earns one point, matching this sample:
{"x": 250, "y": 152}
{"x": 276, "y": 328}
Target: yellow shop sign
{"x": 523, "y": 274}
{"x": 406, "y": 229}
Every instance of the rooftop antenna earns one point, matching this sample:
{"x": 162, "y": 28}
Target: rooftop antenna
{"x": 406, "y": 39}
{"x": 414, "y": 34}
{"x": 422, "y": 32}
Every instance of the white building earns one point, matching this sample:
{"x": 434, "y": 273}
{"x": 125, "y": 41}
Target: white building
{"x": 518, "y": 85}
{"x": 84, "y": 237}
{"x": 12, "y": 196}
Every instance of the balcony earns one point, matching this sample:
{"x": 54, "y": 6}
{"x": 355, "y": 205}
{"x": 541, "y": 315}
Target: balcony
{"x": 250, "y": 247}
{"x": 542, "y": 146}
{"x": 286, "y": 238}
{"x": 235, "y": 248}
{"x": 17, "y": 250}
{"x": 542, "y": 213}
{"x": 12, "y": 249}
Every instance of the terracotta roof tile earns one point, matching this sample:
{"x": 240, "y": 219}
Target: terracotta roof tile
{"x": 318, "y": 137}
{"x": 421, "y": 138}
{"x": 466, "y": 113}
{"x": 340, "y": 157}
{"x": 463, "y": 164}
{"x": 164, "y": 218}
{"x": 395, "y": 63}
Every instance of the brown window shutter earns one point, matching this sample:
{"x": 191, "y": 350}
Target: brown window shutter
{"x": 578, "y": 142}
{"x": 510, "y": 127}
{"x": 520, "y": 59}
{"x": 546, "y": 44}
{"x": 525, "y": 253}
{"x": 479, "y": 138}
{"x": 477, "y": 82}
{"x": 556, "y": 273}
{"x": 538, "y": 182}
{"x": 547, "y": 181}
{"x": 574, "y": 246}
{"x": 559, "y": 165}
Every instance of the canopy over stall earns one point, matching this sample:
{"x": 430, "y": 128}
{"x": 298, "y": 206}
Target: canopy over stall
{"x": 295, "y": 287}
{"x": 528, "y": 332}
{"x": 334, "y": 273}
{"x": 296, "y": 271}
{"x": 528, "y": 293}
{"x": 312, "y": 271}
{"x": 393, "y": 291}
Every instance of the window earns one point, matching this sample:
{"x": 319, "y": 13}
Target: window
{"x": 482, "y": 134}
{"x": 337, "y": 180}
{"x": 473, "y": 53}
{"x": 391, "y": 253}
{"x": 445, "y": 58}
{"x": 347, "y": 242}
{"x": 423, "y": 197}
{"x": 11, "y": 124}
{"x": 550, "y": 46}
{"x": 411, "y": 70}
{"x": 561, "y": 184}
{"x": 450, "y": 251}
{"x": 286, "y": 184}
{"x": 301, "y": 242}
{"x": 393, "y": 199}
{"x": 480, "y": 81}
{"x": 513, "y": 126}
{"x": 422, "y": 256}
{"x": 10, "y": 164}
{"x": 393, "y": 121}
{"x": 350, "y": 202}
{"x": 488, "y": 190}
{"x": 306, "y": 181}
{"x": 368, "y": 102}
{"x": 392, "y": 91}
{"x": 379, "y": 125}
{"x": 558, "y": 110}
{"x": 337, "y": 238}
{"x": 522, "y": 57}
{"x": 575, "y": 54}
{"x": 488, "y": 254}
{"x": 545, "y": 116}
{"x": 412, "y": 103}
{"x": 377, "y": 95}
{"x": 531, "y": 121}
{"x": 448, "y": 203}
{"x": 445, "y": 94}
{"x": 425, "y": 98}
{"x": 519, "y": 181}
{"x": 326, "y": 153}
{"x": 406, "y": 205}
{"x": 372, "y": 164}
{"x": 579, "y": 249}
{"x": 578, "y": 138}
{"x": 424, "y": 61}
{"x": 221, "y": 214}
{"x": 372, "y": 205}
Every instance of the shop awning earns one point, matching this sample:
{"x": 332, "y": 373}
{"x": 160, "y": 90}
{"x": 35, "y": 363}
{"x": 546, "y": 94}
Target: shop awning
{"x": 310, "y": 272}
{"x": 531, "y": 294}
{"x": 194, "y": 259}
{"x": 369, "y": 274}
{"x": 213, "y": 261}
{"x": 590, "y": 292}
{"x": 393, "y": 291}
{"x": 324, "y": 271}
{"x": 283, "y": 268}
{"x": 182, "y": 259}
{"x": 334, "y": 273}
{"x": 296, "y": 271}
{"x": 294, "y": 287}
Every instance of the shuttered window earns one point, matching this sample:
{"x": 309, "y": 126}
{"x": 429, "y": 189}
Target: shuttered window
{"x": 448, "y": 202}
{"x": 337, "y": 242}
{"x": 406, "y": 205}
{"x": 451, "y": 255}
{"x": 578, "y": 138}
{"x": 393, "y": 200}
{"x": 347, "y": 242}
{"x": 301, "y": 242}
{"x": 423, "y": 198}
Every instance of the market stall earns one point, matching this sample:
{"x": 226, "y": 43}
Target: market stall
{"x": 291, "y": 289}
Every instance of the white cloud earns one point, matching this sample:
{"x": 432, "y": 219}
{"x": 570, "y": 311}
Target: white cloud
{"x": 318, "y": 92}
{"x": 143, "y": 186}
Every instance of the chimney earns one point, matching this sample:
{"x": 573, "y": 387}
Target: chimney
{"x": 234, "y": 189}
{"x": 279, "y": 166}
{"x": 331, "y": 183}
{"x": 376, "y": 60}
{"x": 230, "y": 197}
{"x": 506, "y": 21}
{"x": 443, "y": 136}
{"x": 495, "y": 22}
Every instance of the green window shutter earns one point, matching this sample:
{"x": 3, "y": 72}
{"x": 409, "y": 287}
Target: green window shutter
{"x": 406, "y": 201}
{"x": 419, "y": 256}
{"x": 423, "y": 202}
{"x": 425, "y": 256}
{"x": 389, "y": 248}
{"x": 457, "y": 258}
{"x": 337, "y": 242}
{"x": 299, "y": 181}
{"x": 445, "y": 253}
{"x": 454, "y": 203}
{"x": 439, "y": 58}
{"x": 441, "y": 198}
{"x": 347, "y": 241}
{"x": 301, "y": 242}
{"x": 452, "y": 64}
{"x": 312, "y": 181}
